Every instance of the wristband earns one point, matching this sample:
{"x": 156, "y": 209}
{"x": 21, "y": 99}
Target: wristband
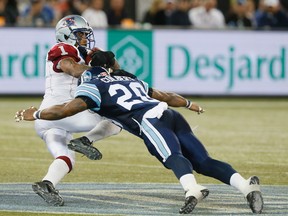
{"x": 36, "y": 114}
{"x": 188, "y": 104}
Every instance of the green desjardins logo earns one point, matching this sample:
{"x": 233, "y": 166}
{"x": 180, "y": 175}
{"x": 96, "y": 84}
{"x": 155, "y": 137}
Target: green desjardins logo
{"x": 133, "y": 52}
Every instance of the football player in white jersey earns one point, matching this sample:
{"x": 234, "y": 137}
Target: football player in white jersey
{"x": 64, "y": 64}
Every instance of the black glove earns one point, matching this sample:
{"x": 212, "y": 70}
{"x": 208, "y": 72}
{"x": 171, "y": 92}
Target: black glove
{"x": 102, "y": 58}
{"x": 83, "y": 51}
{"x": 121, "y": 72}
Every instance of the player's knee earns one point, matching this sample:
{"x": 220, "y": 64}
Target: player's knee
{"x": 56, "y": 142}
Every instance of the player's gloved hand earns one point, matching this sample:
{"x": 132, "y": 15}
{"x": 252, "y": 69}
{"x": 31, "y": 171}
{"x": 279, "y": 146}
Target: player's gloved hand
{"x": 83, "y": 51}
{"x": 121, "y": 72}
{"x": 102, "y": 58}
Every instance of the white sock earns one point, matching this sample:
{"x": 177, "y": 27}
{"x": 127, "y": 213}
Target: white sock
{"x": 188, "y": 181}
{"x": 57, "y": 170}
{"x": 191, "y": 187}
{"x": 238, "y": 182}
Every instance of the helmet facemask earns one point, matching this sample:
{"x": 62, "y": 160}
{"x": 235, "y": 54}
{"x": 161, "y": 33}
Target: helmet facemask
{"x": 89, "y": 37}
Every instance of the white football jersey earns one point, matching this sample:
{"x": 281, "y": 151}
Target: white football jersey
{"x": 59, "y": 86}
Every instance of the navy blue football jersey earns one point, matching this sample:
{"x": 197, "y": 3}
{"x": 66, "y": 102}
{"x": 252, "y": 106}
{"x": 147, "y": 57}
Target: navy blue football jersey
{"x": 120, "y": 98}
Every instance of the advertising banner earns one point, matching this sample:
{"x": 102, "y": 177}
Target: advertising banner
{"x": 221, "y": 62}
{"x": 190, "y": 62}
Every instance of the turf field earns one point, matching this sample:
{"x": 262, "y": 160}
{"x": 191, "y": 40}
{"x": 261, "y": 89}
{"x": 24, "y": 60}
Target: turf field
{"x": 250, "y": 134}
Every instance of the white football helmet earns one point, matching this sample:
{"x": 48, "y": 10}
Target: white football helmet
{"x": 67, "y": 28}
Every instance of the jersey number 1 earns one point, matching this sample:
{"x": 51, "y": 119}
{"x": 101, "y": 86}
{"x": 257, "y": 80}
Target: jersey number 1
{"x": 63, "y": 52}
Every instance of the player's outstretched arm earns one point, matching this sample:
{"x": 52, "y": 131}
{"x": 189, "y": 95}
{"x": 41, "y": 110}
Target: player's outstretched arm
{"x": 175, "y": 100}
{"x": 52, "y": 113}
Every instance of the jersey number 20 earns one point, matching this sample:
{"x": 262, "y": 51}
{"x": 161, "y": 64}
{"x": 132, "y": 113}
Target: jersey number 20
{"x": 134, "y": 95}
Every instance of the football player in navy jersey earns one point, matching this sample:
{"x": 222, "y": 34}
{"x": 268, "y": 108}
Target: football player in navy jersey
{"x": 165, "y": 132}
{"x": 73, "y": 53}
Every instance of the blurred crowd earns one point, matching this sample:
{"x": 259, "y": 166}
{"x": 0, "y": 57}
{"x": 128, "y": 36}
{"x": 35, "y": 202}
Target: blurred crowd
{"x": 212, "y": 14}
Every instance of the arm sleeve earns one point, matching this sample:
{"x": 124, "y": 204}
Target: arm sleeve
{"x": 90, "y": 91}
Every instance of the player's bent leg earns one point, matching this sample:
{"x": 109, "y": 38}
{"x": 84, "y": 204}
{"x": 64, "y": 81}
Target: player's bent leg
{"x": 196, "y": 153}
{"x": 168, "y": 152}
{"x": 103, "y": 129}
{"x": 47, "y": 191}
{"x": 55, "y": 140}
{"x": 194, "y": 192}
{"x": 224, "y": 172}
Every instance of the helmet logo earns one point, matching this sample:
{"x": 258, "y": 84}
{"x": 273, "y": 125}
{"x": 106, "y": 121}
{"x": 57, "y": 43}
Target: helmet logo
{"x": 70, "y": 21}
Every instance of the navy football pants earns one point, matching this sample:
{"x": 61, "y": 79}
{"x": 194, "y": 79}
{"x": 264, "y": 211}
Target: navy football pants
{"x": 171, "y": 140}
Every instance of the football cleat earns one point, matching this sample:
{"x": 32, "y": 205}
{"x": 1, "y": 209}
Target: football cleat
{"x": 47, "y": 191}
{"x": 191, "y": 201}
{"x": 254, "y": 198}
{"x": 189, "y": 205}
{"x": 84, "y": 146}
